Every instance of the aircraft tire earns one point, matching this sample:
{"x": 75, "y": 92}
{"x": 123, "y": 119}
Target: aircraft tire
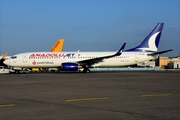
{"x": 86, "y": 70}
{"x": 17, "y": 72}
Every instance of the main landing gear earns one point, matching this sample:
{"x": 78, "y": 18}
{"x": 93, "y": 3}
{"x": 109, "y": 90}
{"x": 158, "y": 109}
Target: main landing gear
{"x": 86, "y": 70}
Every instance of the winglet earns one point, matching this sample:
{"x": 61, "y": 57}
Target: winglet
{"x": 119, "y": 52}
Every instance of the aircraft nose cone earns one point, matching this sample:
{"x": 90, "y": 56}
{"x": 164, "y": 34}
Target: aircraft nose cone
{"x": 6, "y": 62}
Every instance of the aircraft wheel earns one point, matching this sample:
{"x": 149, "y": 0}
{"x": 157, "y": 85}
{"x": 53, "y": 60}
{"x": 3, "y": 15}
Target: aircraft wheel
{"x": 86, "y": 70}
{"x": 17, "y": 72}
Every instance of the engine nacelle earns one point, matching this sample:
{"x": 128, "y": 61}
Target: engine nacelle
{"x": 69, "y": 66}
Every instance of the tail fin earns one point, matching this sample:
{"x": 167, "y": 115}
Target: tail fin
{"x": 58, "y": 46}
{"x": 4, "y": 56}
{"x": 3, "y": 59}
{"x": 151, "y": 42}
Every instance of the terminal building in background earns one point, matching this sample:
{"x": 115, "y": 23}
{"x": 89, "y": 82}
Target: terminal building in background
{"x": 163, "y": 62}
{"x": 168, "y": 62}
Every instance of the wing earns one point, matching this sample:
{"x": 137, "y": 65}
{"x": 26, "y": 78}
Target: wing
{"x": 92, "y": 61}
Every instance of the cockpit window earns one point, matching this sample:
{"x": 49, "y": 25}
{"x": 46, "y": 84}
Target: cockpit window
{"x": 13, "y": 57}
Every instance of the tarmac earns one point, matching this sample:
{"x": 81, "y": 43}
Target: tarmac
{"x": 148, "y": 95}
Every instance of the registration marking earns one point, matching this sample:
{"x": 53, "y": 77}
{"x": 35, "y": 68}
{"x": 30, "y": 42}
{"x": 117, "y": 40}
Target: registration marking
{"x": 7, "y": 105}
{"x": 156, "y": 95}
{"x": 86, "y": 99}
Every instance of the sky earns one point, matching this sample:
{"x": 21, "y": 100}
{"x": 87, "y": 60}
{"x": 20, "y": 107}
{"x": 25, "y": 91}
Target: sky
{"x": 86, "y": 25}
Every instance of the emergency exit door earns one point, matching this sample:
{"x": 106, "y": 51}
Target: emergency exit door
{"x": 24, "y": 58}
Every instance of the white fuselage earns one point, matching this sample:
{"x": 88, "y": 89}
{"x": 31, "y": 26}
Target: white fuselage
{"x": 55, "y": 59}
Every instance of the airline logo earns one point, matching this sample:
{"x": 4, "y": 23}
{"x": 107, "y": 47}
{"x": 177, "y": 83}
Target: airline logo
{"x": 151, "y": 43}
{"x": 52, "y": 55}
{"x": 34, "y": 62}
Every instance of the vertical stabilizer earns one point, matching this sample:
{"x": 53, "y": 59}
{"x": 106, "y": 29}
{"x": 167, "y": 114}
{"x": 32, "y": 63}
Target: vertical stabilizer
{"x": 151, "y": 42}
{"x": 58, "y": 46}
{"x": 4, "y": 56}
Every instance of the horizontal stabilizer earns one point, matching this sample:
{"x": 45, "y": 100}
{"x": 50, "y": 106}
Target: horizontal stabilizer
{"x": 161, "y": 52}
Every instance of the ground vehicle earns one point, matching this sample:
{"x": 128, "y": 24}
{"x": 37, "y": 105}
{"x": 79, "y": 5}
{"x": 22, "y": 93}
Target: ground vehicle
{"x": 3, "y": 70}
{"x": 18, "y": 70}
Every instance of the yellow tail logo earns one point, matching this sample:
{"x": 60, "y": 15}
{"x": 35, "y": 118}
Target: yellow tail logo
{"x": 58, "y": 46}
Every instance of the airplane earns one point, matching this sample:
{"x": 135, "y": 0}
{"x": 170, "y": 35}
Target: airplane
{"x": 74, "y": 61}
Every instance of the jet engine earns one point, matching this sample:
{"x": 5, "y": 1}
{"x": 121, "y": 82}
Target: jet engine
{"x": 69, "y": 66}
